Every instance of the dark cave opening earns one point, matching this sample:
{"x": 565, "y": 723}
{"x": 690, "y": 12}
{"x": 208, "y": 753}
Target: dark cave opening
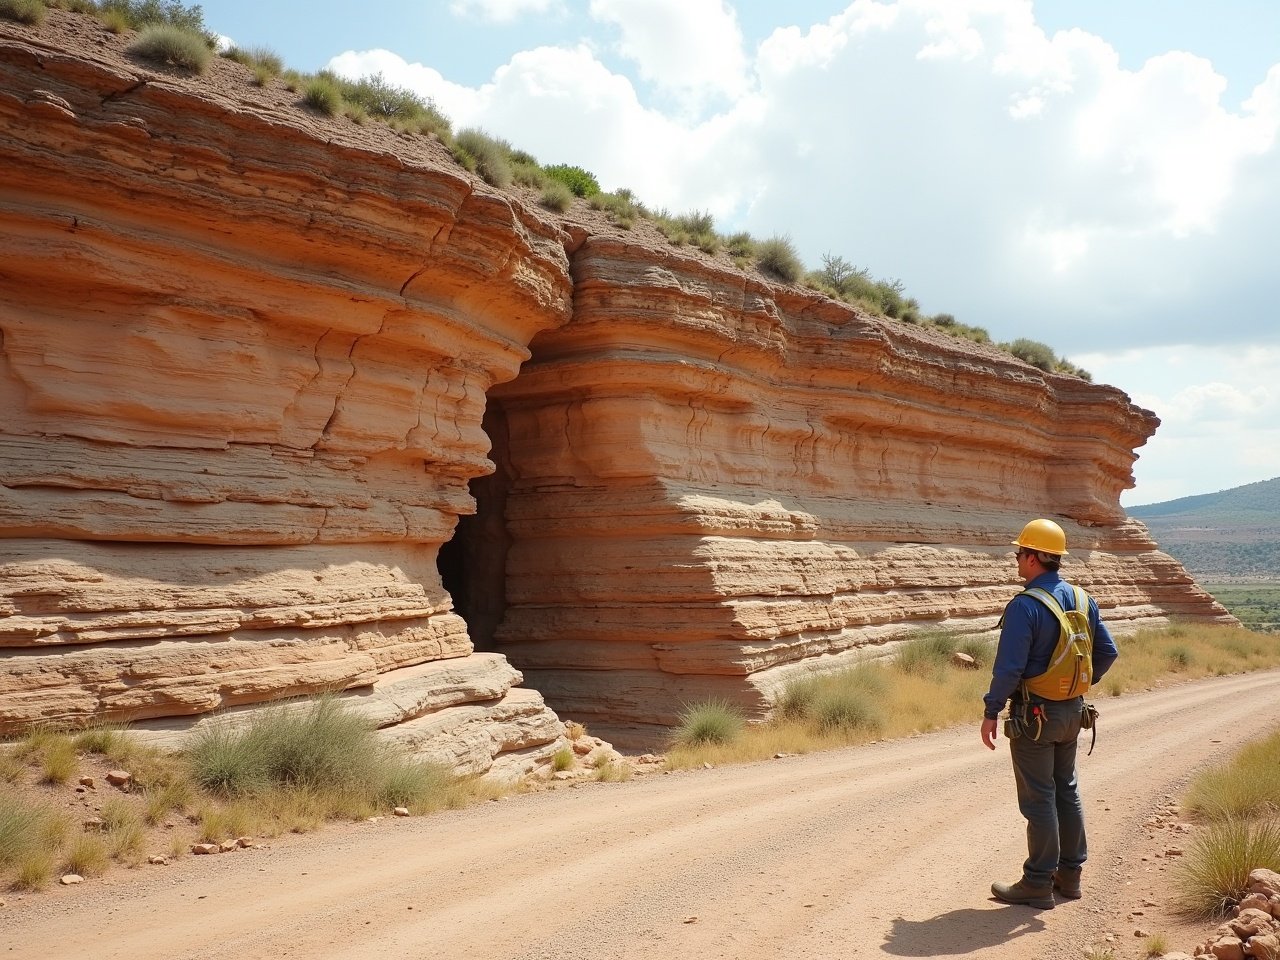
{"x": 473, "y": 565}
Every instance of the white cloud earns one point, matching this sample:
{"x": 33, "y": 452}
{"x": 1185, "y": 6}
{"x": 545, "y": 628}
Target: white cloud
{"x": 1025, "y": 183}
{"x": 691, "y": 49}
{"x": 457, "y": 102}
{"x": 1219, "y": 410}
{"x": 503, "y": 11}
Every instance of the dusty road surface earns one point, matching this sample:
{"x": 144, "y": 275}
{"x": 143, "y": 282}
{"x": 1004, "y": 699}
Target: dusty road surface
{"x": 884, "y": 850}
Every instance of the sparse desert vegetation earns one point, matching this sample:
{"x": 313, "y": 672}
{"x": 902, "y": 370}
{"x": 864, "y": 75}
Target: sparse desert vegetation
{"x": 292, "y": 769}
{"x": 921, "y": 688}
{"x": 1238, "y": 805}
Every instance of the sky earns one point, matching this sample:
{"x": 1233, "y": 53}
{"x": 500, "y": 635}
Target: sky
{"x": 1099, "y": 175}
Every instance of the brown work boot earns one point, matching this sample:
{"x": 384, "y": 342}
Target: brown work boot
{"x": 1066, "y": 880}
{"x": 1024, "y": 893}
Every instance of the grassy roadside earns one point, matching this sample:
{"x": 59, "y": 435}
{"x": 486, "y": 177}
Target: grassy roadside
{"x": 922, "y": 689}
{"x": 290, "y": 770}
{"x": 1237, "y": 806}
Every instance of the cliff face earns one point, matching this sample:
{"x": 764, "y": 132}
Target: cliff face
{"x": 251, "y": 367}
{"x": 715, "y": 486}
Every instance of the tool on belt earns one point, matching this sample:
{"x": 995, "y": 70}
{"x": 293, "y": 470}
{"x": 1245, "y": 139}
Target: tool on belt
{"x": 1026, "y": 719}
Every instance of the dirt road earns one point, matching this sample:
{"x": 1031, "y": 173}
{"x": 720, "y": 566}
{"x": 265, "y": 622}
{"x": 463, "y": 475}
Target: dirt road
{"x": 888, "y": 849}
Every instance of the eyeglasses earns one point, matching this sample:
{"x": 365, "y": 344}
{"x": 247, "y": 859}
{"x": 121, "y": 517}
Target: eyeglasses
{"x": 1023, "y": 552}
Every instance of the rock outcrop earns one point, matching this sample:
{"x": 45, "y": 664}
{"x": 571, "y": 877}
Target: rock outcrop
{"x": 256, "y": 366}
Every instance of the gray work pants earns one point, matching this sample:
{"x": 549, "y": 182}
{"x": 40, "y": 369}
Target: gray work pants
{"x": 1048, "y": 794}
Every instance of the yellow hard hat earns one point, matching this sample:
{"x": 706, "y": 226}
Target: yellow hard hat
{"x": 1043, "y": 535}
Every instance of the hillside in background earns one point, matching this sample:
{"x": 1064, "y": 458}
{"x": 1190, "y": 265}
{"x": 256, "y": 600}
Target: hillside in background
{"x": 1230, "y": 535}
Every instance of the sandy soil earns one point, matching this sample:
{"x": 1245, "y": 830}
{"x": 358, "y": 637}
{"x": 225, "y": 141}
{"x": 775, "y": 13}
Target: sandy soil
{"x": 884, "y": 849}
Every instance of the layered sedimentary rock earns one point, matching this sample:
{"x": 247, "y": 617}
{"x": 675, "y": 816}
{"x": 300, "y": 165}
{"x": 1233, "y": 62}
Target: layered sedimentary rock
{"x": 294, "y": 405}
{"x": 243, "y": 370}
{"x": 717, "y": 485}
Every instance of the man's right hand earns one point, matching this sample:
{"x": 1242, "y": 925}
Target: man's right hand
{"x": 989, "y": 733}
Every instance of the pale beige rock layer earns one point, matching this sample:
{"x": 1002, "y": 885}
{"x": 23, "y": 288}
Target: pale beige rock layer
{"x": 256, "y": 367}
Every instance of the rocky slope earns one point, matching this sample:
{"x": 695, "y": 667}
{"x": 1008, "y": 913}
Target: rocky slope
{"x": 293, "y": 404}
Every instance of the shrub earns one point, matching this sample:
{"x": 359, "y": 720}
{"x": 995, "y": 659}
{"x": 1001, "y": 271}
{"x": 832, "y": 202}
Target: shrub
{"x": 321, "y": 94}
{"x": 330, "y": 759}
{"x": 581, "y": 182}
{"x": 30, "y": 12}
{"x": 892, "y": 302}
{"x": 486, "y": 155}
{"x": 173, "y": 46}
{"x": 388, "y": 102}
{"x": 1246, "y": 787}
{"x": 114, "y": 20}
{"x": 1034, "y": 352}
{"x": 714, "y": 721}
{"x": 843, "y": 708}
{"x": 562, "y": 759}
{"x": 556, "y": 196}
{"x": 741, "y": 245}
{"x": 1214, "y": 875}
{"x": 21, "y": 829}
{"x": 926, "y": 654}
{"x": 982, "y": 650}
{"x": 777, "y": 257}
{"x": 1155, "y": 945}
{"x": 86, "y": 856}
{"x": 34, "y": 871}
{"x": 529, "y": 174}
{"x": 621, "y": 206}
{"x": 105, "y": 739}
{"x": 159, "y": 801}
{"x": 263, "y": 61}
{"x": 428, "y": 785}
{"x": 137, "y": 14}
{"x": 612, "y": 772}
{"x": 59, "y": 763}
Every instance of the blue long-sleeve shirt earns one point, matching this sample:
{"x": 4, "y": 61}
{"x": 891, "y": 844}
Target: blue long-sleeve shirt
{"x": 1030, "y": 633}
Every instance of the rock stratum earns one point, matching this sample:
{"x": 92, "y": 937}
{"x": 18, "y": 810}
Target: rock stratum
{"x": 295, "y": 405}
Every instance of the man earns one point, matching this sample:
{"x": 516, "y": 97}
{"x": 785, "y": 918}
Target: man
{"x": 1044, "y": 755}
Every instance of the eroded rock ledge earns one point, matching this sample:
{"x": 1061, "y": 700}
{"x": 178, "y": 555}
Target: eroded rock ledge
{"x": 251, "y": 366}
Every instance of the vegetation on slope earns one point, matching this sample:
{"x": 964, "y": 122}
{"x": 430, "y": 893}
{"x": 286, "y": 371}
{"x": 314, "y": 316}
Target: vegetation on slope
{"x": 292, "y": 769}
{"x": 1230, "y": 535}
{"x": 921, "y": 689}
{"x": 175, "y": 35}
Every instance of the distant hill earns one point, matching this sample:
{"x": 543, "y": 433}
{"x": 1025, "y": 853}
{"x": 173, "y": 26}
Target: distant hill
{"x": 1226, "y": 536}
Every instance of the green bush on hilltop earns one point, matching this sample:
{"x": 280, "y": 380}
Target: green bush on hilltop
{"x": 136, "y": 14}
{"x": 30, "y": 12}
{"x": 777, "y": 258}
{"x": 488, "y": 156}
{"x": 581, "y": 182}
{"x": 173, "y": 46}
